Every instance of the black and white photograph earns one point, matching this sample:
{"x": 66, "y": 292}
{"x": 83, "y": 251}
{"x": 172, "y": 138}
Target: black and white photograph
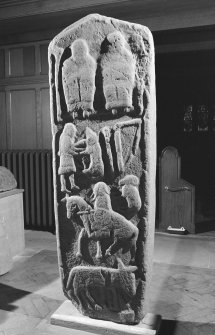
{"x": 107, "y": 167}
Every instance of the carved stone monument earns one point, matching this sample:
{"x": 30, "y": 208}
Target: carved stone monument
{"x": 102, "y": 88}
{"x": 7, "y": 180}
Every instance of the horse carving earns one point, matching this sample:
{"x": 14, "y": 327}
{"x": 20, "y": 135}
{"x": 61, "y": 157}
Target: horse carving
{"x": 102, "y": 222}
{"x": 107, "y": 222}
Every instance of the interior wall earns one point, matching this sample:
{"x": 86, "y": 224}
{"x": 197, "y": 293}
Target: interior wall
{"x": 188, "y": 79}
{"x": 24, "y": 97}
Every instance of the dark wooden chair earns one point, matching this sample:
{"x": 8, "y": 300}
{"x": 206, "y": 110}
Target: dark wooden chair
{"x": 176, "y": 196}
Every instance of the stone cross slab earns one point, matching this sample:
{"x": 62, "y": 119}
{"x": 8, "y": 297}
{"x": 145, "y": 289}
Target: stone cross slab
{"x": 103, "y": 115}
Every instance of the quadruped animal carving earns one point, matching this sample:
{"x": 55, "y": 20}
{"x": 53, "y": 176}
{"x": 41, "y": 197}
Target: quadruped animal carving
{"x": 96, "y": 167}
{"x": 77, "y": 205}
{"x": 118, "y": 73}
{"x": 106, "y": 222}
{"x": 78, "y": 75}
{"x": 102, "y": 222}
{"x": 84, "y": 280}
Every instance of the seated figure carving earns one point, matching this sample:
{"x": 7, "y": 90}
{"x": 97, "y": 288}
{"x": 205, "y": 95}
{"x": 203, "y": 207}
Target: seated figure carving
{"x": 78, "y": 74}
{"x": 118, "y": 73}
{"x": 84, "y": 280}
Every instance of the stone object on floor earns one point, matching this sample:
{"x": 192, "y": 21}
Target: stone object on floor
{"x": 7, "y": 180}
{"x": 5, "y": 253}
{"x": 11, "y": 211}
{"x": 102, "y": 88}
{"x": 68, "y": 316}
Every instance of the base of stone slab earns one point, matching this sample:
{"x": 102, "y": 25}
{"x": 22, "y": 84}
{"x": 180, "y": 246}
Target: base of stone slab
{"x": 68, "y": 316}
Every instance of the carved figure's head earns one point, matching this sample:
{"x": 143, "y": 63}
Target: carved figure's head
{"x": 91, "y": 137}
{"x": 127, "y": 278}
{"x": 79, "y": 49}
{"x": 101, "y": 189}
{"x": 116, "y": 39}
{"x": 70, "y": 130}
{"x": 128, "y": 191}
{"x": 74, "y": 204}
{"x": 129, "y": 180}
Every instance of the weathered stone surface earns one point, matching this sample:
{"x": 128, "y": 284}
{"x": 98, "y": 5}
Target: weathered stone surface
{"x": 102, "y": 92}
{"x": 78, "y": 74}
{"x": 12, "y": 216}
{"x": 7, "y": 180}
{"x": 118, "y": 73}
{"x": 5, "y": 253}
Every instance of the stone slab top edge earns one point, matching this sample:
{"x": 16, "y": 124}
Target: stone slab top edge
{"x": 145, "y": 31}
{"x": 5, "y": 194}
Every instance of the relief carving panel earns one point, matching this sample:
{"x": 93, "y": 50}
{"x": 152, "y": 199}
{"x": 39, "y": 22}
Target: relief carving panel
{"x": 102, "y": 94}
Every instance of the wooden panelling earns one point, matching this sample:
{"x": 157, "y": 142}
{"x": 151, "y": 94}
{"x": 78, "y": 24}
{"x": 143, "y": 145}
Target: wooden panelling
{"x": 24, "y": 97}
{"x": 15, "y": 62}
{"x": 3, "y": 121}
{"x": 45, "y": 118}
{"x": 29, "y": 60}
{"x": 22, "y": 119}
{"x": 44, "y": 59}
{"x": 2, "y": 64}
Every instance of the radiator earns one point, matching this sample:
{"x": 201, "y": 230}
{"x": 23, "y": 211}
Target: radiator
{"x": 33, "y": 172}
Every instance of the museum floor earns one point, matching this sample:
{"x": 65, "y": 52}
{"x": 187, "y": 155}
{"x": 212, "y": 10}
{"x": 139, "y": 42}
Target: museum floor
{"x": 183, "y": 287}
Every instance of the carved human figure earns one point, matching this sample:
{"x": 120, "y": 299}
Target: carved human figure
{"x": 83, "y": 280}
{"x": 118, "y": 73}
{"x": 130, "y": 191}
{"x": 107, "y": 222}
{"x": 96, "y": 167}
{"x": 67, "y": 150}
{"x": 78, "y": 75}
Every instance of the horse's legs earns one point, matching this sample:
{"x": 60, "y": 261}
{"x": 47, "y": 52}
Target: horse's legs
{"x": 99, "y": 250}
{"x": 91, "y": 301}
{"x": 82, "y": 297}
{"x": 82, "y": 234}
